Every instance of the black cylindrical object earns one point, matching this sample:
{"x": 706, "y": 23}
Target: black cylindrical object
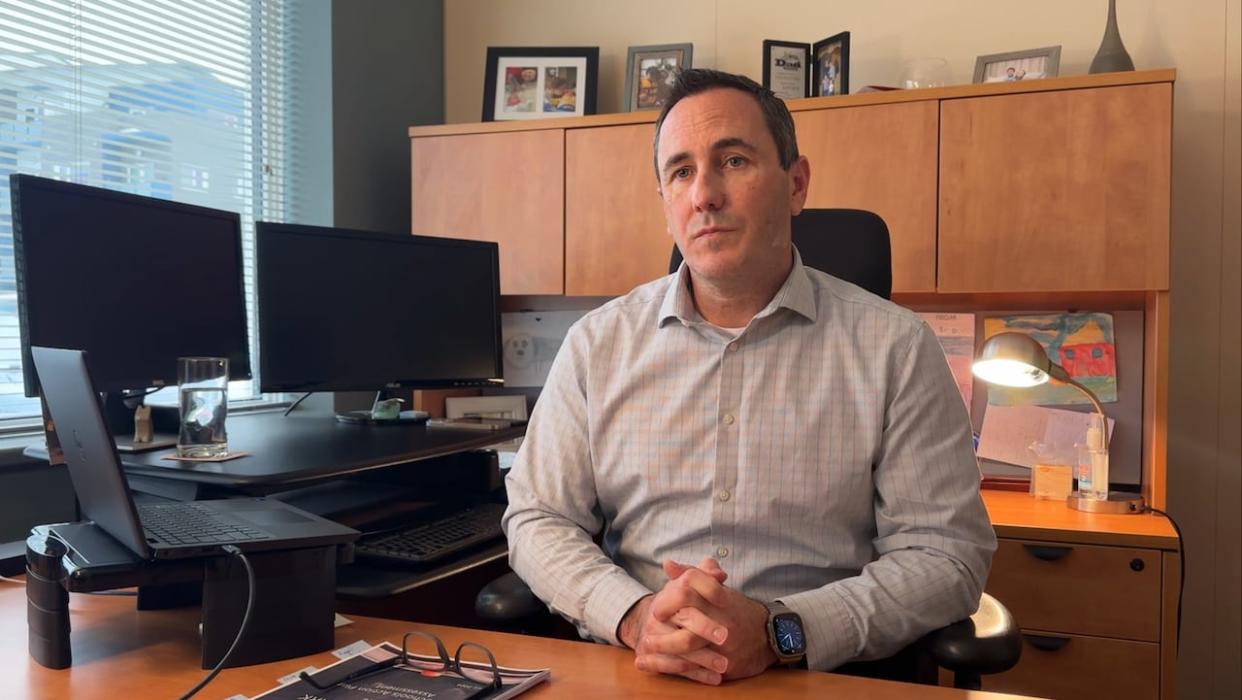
{"x": 47, "y": 601}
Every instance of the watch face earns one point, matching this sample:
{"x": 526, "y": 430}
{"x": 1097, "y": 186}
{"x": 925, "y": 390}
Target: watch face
{"x": 787, "y": 628}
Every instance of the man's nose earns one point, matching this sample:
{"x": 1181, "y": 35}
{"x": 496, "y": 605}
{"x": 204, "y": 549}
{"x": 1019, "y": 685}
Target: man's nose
{"x": 708, "y": 191}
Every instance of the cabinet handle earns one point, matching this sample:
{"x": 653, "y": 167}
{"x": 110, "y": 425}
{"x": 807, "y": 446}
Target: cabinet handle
{"x": 1047, "y": 552}
{"x": 1046, "y": 643}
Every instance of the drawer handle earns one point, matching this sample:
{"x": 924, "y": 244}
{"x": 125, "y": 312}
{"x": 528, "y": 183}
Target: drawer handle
{"x": 1046, "y": 552}
{"x": 1046, "y": 643}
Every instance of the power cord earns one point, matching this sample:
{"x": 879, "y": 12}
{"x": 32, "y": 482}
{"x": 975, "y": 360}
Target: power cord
{"x": 241, "y": 630}
{"x": 295, "y": 404}
{"x": 1181, "y": 572}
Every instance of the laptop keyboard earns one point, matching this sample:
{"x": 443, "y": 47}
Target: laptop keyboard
{"x": 436, "y": 540}
{"x": 190, "y": 524}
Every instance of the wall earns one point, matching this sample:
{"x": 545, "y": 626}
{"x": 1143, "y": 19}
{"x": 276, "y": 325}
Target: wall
{"x": 387, "y": 75}
{"x": 1199, "y": 37}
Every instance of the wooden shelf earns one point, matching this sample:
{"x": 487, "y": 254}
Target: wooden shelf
{"x": 1022, "y": 516}
{"x": 1074, "y": 82}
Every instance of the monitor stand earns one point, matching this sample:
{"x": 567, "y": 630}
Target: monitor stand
{"x": 364, "y": 418}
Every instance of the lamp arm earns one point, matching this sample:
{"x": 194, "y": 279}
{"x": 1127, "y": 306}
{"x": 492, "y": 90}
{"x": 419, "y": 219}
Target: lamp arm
{"x": 1058, "y": 372}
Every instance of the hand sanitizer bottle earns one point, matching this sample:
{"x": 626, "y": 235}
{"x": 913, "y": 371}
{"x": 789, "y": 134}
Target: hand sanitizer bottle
{"x": 1096, "y": 458}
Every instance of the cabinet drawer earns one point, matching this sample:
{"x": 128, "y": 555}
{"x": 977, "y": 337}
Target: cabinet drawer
{"x": 1079, "y": 589}
{"x": 1068, "y": 667}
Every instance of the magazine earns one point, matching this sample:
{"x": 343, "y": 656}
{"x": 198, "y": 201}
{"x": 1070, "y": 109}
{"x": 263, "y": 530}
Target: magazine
{"x": 378, "y": 673}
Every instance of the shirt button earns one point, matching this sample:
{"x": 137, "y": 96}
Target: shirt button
{"x": 732, "y": 347}
{"x": 722, "y": 552}
{"x": 728, "y": 419}
{"x": 723, "y": 495}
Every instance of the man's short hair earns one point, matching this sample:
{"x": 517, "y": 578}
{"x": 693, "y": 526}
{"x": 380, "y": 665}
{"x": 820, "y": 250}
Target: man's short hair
{"x": 775, "y": 114}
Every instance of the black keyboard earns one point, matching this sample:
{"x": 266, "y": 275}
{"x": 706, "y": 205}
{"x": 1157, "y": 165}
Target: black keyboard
{"x": 188, "y": 524}
{"x": 430, "y": 542}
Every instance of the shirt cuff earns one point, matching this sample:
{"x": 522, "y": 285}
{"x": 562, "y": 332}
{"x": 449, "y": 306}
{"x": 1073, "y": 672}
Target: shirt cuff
{"x": 832, "y": 635}
{"x": 608, "y": 603}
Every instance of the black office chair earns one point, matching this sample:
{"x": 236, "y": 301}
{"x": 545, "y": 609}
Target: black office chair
{"x": 852, "y": 245}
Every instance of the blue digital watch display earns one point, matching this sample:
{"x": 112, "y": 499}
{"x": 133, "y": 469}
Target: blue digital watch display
{"x": 787, "y": 629}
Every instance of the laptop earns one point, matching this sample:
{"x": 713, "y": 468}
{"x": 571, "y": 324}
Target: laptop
{"x": 158, "y": 531}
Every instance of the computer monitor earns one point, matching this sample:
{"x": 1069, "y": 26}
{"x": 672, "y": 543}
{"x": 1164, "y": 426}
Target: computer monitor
{"x": 135, "y": 281}
{"x": 345, "y": 310}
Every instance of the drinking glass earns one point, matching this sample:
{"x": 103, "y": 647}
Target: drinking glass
{"x": 203, "y": 386}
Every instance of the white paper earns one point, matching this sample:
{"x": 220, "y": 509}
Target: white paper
{"x": 532, "y": 339}
{"x": 1009, "y": 432}
{"x": 352, "y": 649}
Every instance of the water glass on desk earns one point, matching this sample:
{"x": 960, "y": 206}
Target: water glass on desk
{"x": 203, "y": 389}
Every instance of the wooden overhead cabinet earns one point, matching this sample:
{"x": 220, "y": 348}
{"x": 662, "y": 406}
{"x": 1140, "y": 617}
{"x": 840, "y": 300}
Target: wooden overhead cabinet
{"x": 881, "y": 158}
{"x": 615, "y": 235}
{"x": 507, "y": 187}
{"x": 1063, "y": 190}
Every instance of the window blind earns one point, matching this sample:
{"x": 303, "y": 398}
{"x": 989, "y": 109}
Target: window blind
{"x": 181, "y": 101}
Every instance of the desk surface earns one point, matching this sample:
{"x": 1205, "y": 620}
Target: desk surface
{"x": 309, "y": 446}
{"x": 1022, "y": 516}
{"x": 122, "y": 653}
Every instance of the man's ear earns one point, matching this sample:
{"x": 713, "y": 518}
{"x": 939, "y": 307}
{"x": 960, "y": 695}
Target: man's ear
{"x": 800, "y": 183}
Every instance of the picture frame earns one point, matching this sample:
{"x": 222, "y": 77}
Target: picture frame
{"x": 510, "y": 407}
{"x": 787, "y": 68}
{"x": 830, "y": 66}
{"x": 649, "y": 72}
{"x": 539, "y": 82}
{"x": 1012, "y": 66}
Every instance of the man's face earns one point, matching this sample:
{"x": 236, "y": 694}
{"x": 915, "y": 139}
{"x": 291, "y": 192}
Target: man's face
{"x": 726, "y": 198}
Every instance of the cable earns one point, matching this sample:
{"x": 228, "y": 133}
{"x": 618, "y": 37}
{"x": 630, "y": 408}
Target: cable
{"x": 294, "y": 405}
{"x": 241, "y": 630}
{"x": 6, "y": 579}
{"x": 1181, "y": 573}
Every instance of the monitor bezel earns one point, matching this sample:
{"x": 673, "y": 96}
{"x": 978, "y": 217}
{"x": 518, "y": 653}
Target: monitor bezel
{"x": 19, "y": 182}
{"x": 262, "y": 286}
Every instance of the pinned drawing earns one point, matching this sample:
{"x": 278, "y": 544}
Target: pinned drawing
{"x": 956, "y": 333}
{"x": 1083, "y": 343}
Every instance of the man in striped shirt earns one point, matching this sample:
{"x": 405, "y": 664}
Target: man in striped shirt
{"x": 800, "y": 439}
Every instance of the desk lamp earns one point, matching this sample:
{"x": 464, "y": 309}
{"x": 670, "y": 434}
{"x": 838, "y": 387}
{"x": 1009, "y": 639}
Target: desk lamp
{"x": 1018, "y": 360}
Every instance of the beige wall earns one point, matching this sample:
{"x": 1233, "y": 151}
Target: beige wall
{"x": 1198, "y": 37}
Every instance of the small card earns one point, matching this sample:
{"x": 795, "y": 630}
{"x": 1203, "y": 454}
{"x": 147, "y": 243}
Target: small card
{"x": 352, "y": 650}
{"x": 295, "y": 676}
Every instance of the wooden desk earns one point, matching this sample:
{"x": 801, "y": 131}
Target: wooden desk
{"x": 122, "y": 653}
{"x": 1095, "y": 596}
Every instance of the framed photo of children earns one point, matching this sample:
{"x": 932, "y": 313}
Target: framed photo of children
{"x": 539, "y": 82}
{"x": 649, "y": 74}
{"x": 1030, "y": 64}
{"x": 831, "y": 70}
{"x": 787, "y": 68}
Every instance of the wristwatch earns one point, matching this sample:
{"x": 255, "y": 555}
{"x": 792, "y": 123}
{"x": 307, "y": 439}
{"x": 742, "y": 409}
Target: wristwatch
{"x": 785, "y": 633}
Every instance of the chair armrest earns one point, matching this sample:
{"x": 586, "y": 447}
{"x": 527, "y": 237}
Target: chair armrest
{"x": 508, "y": 599}
{"x": 987, "y": 642}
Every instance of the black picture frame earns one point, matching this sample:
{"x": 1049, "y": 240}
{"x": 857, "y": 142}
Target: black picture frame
{"x": 531, "y": 97}
{"x": 772, "y": 54}
{"x": 840, "y": 82}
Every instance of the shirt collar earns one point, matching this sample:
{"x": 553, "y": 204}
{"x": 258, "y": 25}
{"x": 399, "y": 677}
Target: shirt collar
{"x": 796, "y": 294}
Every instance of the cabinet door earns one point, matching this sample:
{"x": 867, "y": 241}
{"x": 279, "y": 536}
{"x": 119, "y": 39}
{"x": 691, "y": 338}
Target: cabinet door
{"x": 615, "y": 234}
{"x": 505, "y": 187}
{"x": 881, "y": 158}
{"x": 1056, "y": 191}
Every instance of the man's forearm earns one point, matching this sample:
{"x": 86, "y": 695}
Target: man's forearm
{"x": 878, "y": 612}
{"x": 568, "y": 571}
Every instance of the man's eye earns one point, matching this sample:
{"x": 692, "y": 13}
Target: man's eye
{"x": 735, "y": 161}
{"x": 681, "y": 173}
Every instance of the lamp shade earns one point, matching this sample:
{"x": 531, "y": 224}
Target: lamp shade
{"x": 1013, "y": 359}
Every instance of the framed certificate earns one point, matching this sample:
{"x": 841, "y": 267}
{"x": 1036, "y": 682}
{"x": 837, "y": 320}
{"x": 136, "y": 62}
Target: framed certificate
{"x": 787, "y": 68}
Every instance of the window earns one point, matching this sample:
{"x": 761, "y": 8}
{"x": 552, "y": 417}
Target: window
{"x": 181, "y": 101}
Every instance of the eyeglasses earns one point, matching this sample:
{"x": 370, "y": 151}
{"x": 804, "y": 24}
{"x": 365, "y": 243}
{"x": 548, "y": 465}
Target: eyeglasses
{"x": 487, "y": 676}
